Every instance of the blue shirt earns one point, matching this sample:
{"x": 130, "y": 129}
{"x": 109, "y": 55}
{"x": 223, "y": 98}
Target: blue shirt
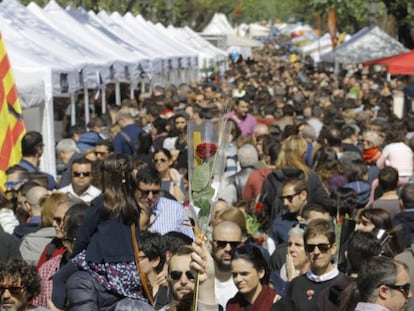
{"x": 170, "y": 215}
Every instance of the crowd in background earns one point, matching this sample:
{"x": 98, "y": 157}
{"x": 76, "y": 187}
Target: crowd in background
{"x": 316, "y": 200}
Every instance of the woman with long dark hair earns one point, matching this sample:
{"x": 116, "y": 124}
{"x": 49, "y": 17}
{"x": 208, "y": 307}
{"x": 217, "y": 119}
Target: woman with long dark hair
{"x": 103, "y": 252}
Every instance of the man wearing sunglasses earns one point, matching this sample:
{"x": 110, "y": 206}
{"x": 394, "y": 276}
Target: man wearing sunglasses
{"x": 294, "y": 197}
{"x": 81, "y": 186}
{"x": 383, "y": 285}
{"x": 159, "y": 214}
{"x": 19, "y": 284}
{"x": 227, "y": 236}
{"x": 307, "y": 290}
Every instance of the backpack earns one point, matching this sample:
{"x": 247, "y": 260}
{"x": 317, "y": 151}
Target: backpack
{"x": 271, "y": 192}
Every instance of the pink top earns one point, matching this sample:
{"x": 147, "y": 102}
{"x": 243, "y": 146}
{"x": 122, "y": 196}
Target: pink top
{"x": 399, "y": 156}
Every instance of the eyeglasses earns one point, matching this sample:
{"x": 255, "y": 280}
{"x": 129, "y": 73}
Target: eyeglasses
{"x": 79, "y": 174}
{"x": 58, "y": 220}
{"x": 14, "y": 290}
{"x": 146, "y": 193}
{"x": 404, "y": 289}
{"x": 289, "y": 197}
{"x": 223, "y": 244}
{"x": 323, "y": 247}
{"x": 176, "y": 275}
{"x": 160, "y": 160}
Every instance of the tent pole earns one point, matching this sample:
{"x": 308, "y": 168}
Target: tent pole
{"x": 118, "y": 93}
{"x": 131, "y": 89}
{"x": 72, "y": 109}
{"x": 103, "y": 97}
{"x": 86, "y": 97}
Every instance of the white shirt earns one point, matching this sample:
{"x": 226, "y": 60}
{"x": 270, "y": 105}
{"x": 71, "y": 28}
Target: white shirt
{"x": 224, "y": 291}
{"x": 87, "y": 196}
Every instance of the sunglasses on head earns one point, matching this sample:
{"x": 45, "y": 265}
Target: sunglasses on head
{"x": 404, "y": 289}
{"x": 146, "y": 193}
{"x": 14, "y": 290}
{"x": 223, "y": 244}
{"x": 289, "y": 197}
{"x": 79, "y": 174}
{"x": 323, "y": 247}
{"x": 176, "y": 275}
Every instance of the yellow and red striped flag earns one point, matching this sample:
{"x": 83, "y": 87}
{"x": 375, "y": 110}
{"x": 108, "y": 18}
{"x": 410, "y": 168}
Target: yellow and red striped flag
{"x": 12, "y": 126}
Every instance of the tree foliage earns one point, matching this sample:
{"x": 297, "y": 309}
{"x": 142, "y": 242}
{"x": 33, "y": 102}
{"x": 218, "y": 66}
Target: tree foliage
{"x": 351, "y": 15}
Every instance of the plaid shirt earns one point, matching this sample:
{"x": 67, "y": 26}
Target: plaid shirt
{"x": 46, "y": 271}
{"x": 170, "y": 216}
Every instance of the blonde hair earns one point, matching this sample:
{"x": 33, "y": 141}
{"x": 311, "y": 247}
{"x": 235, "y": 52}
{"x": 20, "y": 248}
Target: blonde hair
{"x": 48, "y": 204}
{"x": 292, "y": 154}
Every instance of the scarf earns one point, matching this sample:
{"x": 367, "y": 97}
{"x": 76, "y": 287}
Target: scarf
{"x": 263, "y": 302}
{"x": 372, "y": 155}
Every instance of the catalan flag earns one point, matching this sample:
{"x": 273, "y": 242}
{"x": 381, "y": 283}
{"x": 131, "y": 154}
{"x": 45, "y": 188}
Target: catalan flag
{"x": 11, "y": 119}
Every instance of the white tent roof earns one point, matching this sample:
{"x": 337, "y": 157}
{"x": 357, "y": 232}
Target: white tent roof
{"x": 219, "y": 24}
{"x": 186, "y": 57}
{"x": 317, "y": 45}
{"x": 109, "y": 51}
{"x": 159, "y": 59}
{"x": 52, "y": 41}
{"x": 253, "y": 30}
{"x": 209, "y": 55}
{"x": 365, "y": 45}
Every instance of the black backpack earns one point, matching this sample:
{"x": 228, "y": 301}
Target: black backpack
{"x": 272, "y": 190}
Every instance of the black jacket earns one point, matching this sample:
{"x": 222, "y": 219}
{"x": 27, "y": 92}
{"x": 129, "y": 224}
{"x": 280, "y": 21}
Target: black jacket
{"x": 404, "y": 222}
{"x": 9, "y": 246}
{"x": 272, "y": 189}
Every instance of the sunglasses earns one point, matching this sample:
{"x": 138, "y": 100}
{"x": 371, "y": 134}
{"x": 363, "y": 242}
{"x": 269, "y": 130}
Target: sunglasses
{"x": 14, "y": 290}
{"x": 176, "y": 275}
{"x": 323, "y": 247}
{"x": 289, "y": 197}
{"x": 58, "y": 220}
{"x": 101, "y": 152}
{"x": 404, "y": 289}
{"x": 160, "y": 160}
{"x": 12, "y": 184}
{"x": 79, "y": 174}
{"x": 146, "y": 193}
{"x": 223, "y": 244}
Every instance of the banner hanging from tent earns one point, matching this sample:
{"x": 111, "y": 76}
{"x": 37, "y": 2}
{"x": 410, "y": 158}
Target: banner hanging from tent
{"x": 12, "y": 126}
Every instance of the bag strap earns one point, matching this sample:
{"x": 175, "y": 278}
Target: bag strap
{"x": 142, "y": 276}
{"x": 128, "y": 140}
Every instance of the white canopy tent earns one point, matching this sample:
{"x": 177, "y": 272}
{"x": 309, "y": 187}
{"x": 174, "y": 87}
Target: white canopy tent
{"x": 208, "y": 54}
{"x": 365, "y": 45}
{"x": 219, "y": 24}
{"x": 186, "y": 57}
{"x": 109, "y": 52}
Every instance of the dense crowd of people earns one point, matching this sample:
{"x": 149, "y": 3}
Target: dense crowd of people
{"x": 314, "y": 210}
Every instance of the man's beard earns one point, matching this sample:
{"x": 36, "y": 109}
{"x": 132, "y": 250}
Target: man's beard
{"x": 222, "y": 266}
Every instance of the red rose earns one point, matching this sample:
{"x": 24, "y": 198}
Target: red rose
{"x": 259, "y": 207}
{"x": 261, "y": 240}
{"x": 206, "y": 150}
